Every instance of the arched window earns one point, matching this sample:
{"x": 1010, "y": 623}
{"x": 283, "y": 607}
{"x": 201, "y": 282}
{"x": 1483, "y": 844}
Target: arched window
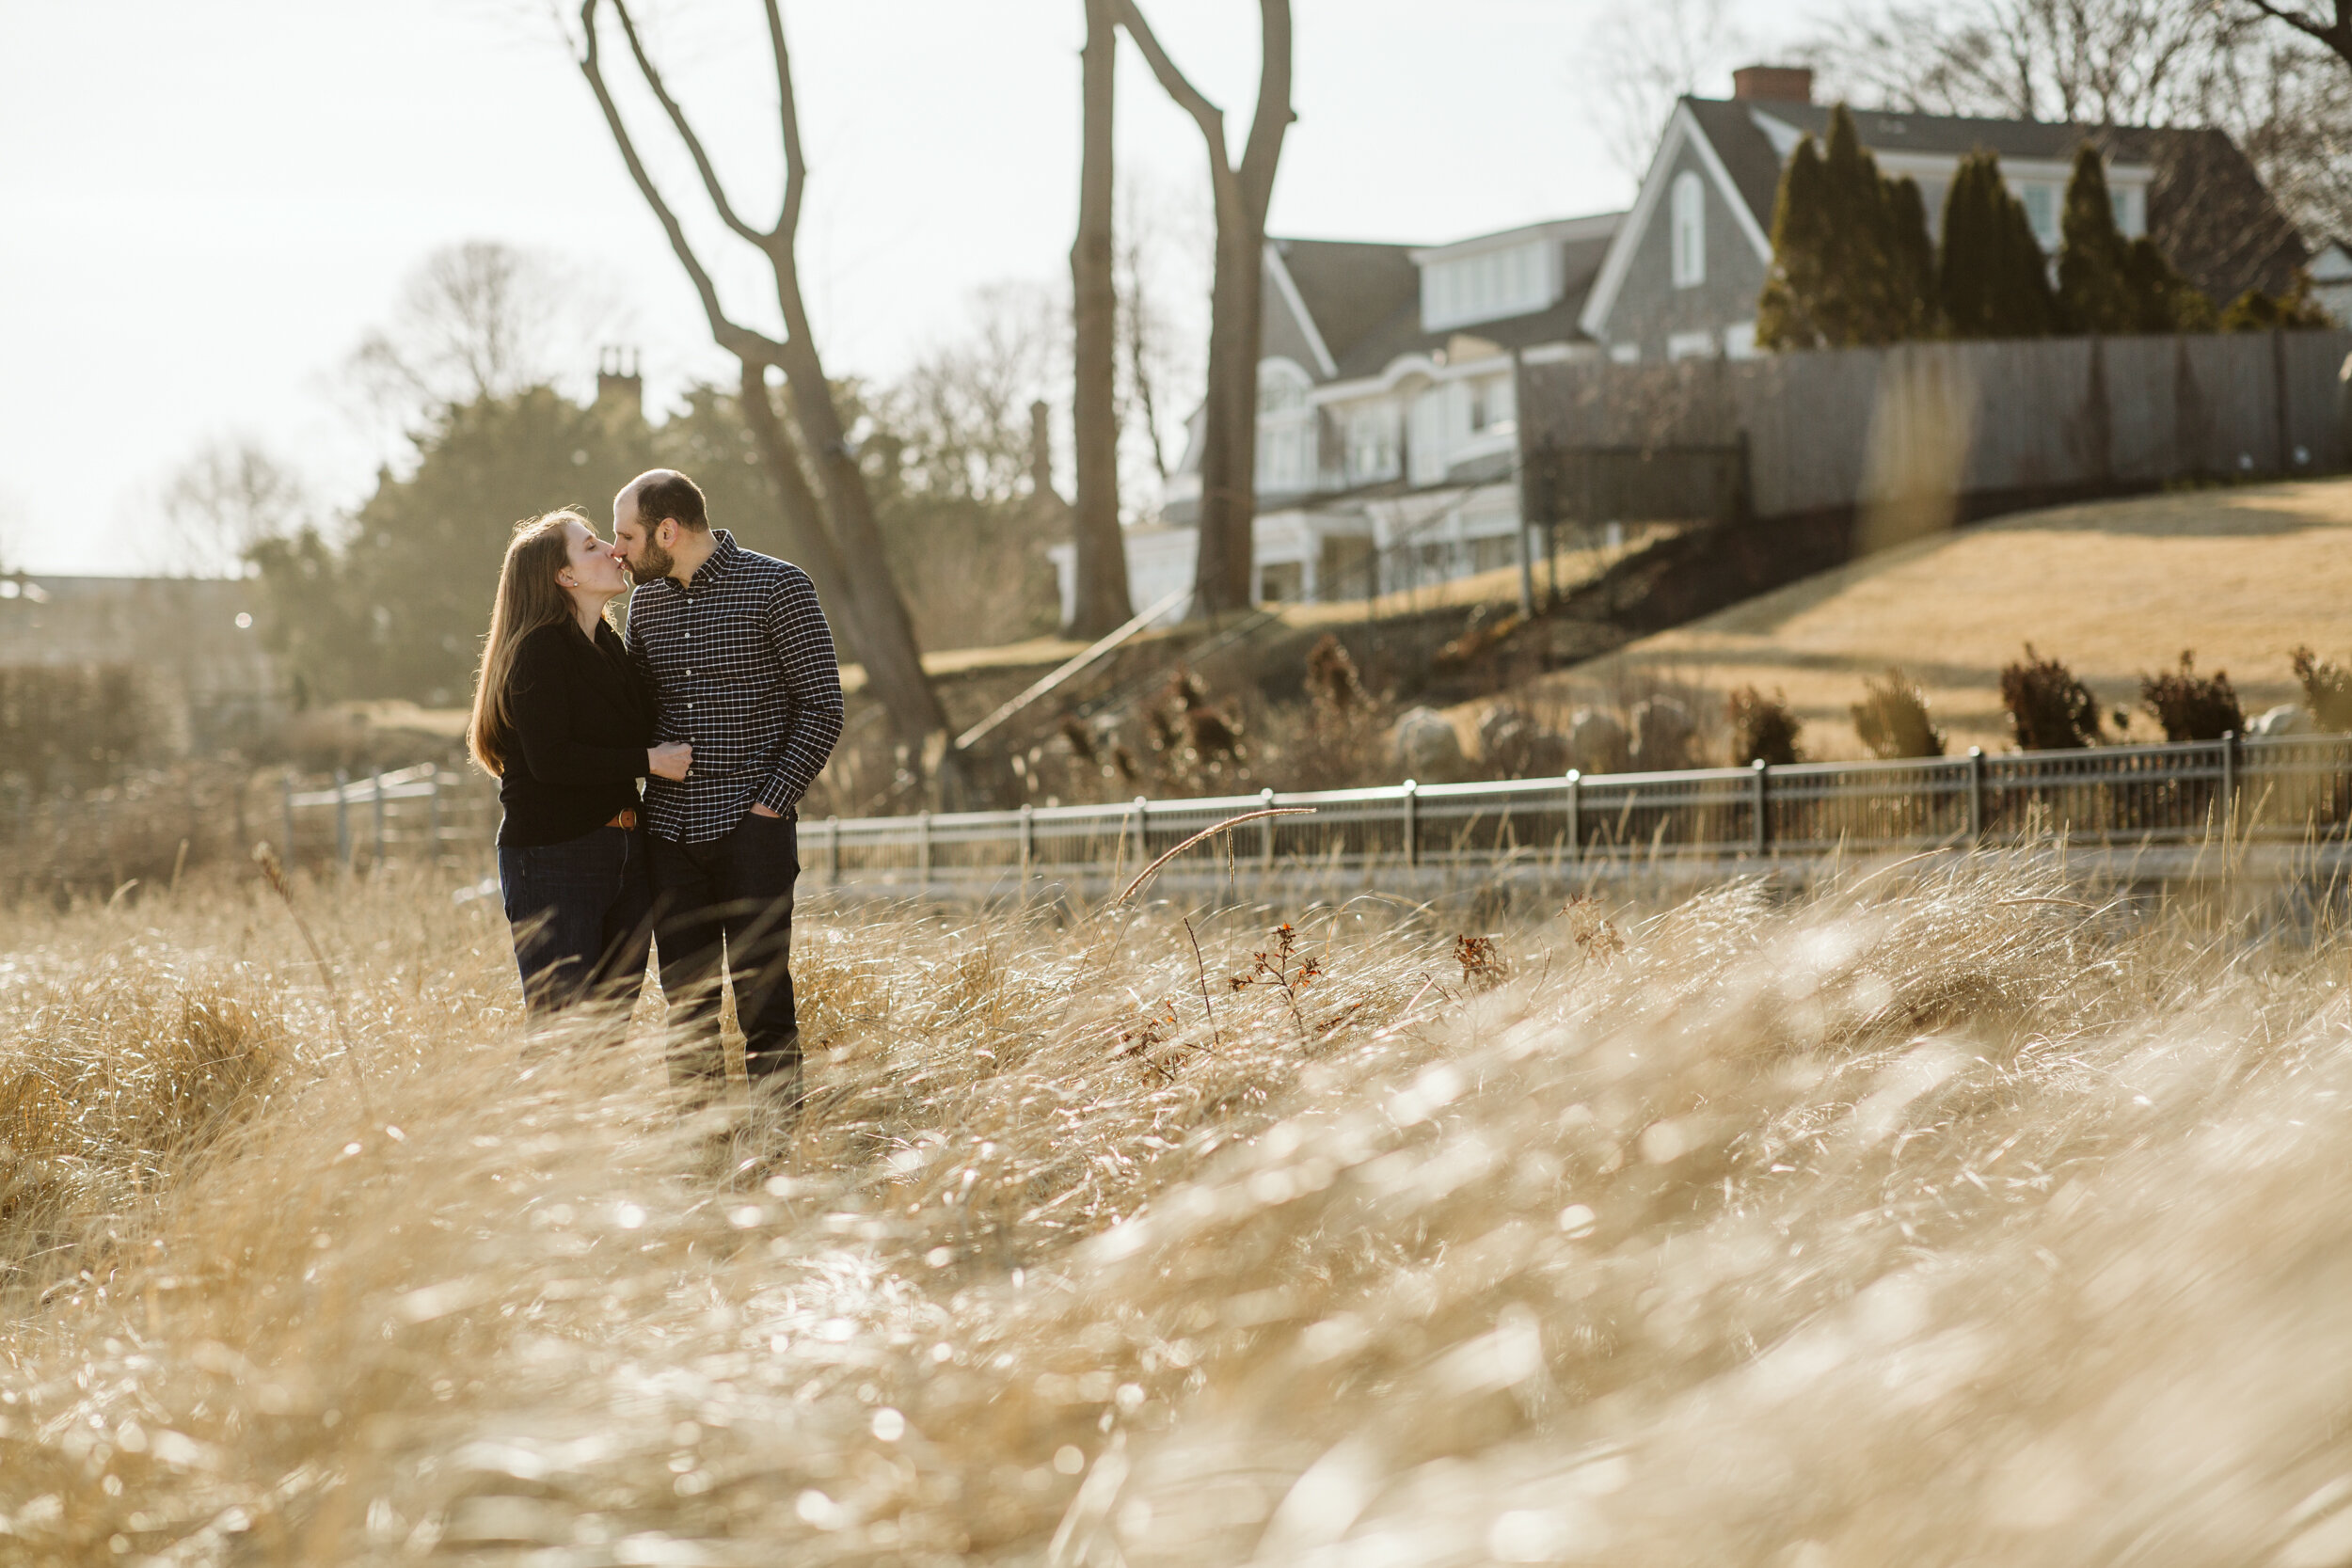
{"x": 1690, "y": 230}
{"x": 1286, "y": 428}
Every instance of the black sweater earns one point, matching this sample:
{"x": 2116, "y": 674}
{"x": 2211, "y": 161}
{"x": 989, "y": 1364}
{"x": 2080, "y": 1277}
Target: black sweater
{"x": 582, "y": 720}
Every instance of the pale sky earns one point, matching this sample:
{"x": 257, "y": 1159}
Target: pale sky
{"x": 208, "y": 204}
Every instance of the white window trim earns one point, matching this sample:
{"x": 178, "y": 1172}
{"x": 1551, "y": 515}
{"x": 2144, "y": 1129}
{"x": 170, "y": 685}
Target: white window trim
{"x": 1691, "y": 345}
{"x": 1686, "y": 230}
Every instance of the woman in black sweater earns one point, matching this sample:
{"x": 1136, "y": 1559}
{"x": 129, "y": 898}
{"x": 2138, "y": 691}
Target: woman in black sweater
{"x": 562, "y": 720}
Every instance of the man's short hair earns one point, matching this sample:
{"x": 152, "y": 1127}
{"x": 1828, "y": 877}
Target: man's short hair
{"x": 666, "y": 494}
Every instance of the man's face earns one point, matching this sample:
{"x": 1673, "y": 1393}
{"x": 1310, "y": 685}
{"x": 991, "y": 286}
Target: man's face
{"x": 636, "y": 544}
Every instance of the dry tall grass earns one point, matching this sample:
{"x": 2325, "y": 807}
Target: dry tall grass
{"x": 1935, "y": 1218}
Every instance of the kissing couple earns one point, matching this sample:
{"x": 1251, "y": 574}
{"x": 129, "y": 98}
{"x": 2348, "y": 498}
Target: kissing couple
{"x": 725, "y": 698}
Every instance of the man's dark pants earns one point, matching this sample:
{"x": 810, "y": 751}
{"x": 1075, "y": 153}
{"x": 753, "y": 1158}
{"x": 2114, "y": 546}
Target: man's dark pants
{"x": 728, "y": 903}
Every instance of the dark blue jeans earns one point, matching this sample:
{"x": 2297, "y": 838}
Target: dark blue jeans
{"x": 581, "y": 912}
{"x": 727, "y": 906}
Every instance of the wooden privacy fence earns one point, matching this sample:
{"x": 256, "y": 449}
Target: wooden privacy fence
{"x": 1950, "y": 420}
{"x": 2289, "y": 790}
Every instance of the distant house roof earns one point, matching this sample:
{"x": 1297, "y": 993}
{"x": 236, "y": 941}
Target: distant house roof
{"x": 1351, "y": 288}
{"x": 2207, "y": 208}
{"x": 1364, "y": 299}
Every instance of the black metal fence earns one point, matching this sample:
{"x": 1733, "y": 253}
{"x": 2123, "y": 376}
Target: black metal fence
{"x": 1587, "y": 485}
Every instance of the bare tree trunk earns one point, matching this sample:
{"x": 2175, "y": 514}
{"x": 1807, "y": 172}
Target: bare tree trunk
{"x": 894, "y": 662}
{"x": 804, "y": 518}
{"x": 1229, "y": 450}
{"x": 1102, "y": 601}
{"x": 842, "y": 543}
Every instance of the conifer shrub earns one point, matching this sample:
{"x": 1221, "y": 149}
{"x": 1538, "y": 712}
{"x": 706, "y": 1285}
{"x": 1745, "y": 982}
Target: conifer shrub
{"x": 2192, "y": 707}
{"x": 1785, "y": 313}
{"x": 1893, "y": 720}
{"x": 1992, "y": 279}
{"x": 1851, "y": 263}
{"x": 2110, "y": 285}
{"x": 1762, "y": 728}
{"x": 2165, "y": 301}
{"x": 2327, "y": 690}
{"x": 2049, "y": 710}
{"x": 2096, "y": 280}
{"x": 1910, "y": 304}
{"x": 2295, "y": 310}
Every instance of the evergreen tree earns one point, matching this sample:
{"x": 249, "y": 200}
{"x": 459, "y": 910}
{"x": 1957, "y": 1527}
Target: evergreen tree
{"x": 2109, "y": 284}
{"x": 1784, "y": 315}
{"x": 397, "y": 607}
{"x": 2098, "y": 282}
{"x": 1852, "y": 306}
{"x": 1851, "y": 263}
{"x": 2163, "y": 300}
{"x": 1992, "y": 278}
{"x": 2295, "y": 310}
{"x": 1911, "y": 254}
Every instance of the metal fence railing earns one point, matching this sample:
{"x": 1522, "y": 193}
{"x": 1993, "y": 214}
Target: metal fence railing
{"x": 2286, "y": 790}
{"x": 2281, "y": 790}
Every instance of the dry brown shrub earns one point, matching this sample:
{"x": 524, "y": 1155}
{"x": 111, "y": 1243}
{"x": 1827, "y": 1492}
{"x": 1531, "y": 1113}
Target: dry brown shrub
{"x": 2049, "y": 709}
{"x": 2192, "y": 707}
{"x": 1763, "y": 729}
{"x": 2327, "y": 690}
{"x": 1892, "y": 719}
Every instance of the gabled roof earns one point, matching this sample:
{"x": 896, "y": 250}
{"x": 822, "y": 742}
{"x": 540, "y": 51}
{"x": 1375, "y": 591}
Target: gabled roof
{"x": 1350, "y": 289}
{"x": 1887, "y": 131}
{"x": 2207, "y": 208}
{"x": 1364, "y": 300}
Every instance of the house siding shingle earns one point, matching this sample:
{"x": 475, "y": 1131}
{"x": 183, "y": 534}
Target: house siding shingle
{"x": 1649, "y": 309}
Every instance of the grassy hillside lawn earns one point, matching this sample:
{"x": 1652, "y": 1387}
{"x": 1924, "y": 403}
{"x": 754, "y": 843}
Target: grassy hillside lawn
{"x": 2115, "y": 589}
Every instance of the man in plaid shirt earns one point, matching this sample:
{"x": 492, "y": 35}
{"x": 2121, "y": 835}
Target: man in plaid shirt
{"x": 740, "y": 664}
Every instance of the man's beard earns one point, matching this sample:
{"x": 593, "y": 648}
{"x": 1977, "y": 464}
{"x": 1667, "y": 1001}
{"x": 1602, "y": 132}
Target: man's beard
{"x": 651, "y": 565}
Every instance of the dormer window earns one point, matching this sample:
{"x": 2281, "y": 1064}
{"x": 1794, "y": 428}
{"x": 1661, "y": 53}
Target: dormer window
{"x": 1690, "y": 230}
{"x": 1490, "y": 285}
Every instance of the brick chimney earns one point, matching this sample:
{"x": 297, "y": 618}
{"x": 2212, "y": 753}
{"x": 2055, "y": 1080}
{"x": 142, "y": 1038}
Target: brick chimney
{"x": 1785, "y": 83}
{"x": 618, "y": 384}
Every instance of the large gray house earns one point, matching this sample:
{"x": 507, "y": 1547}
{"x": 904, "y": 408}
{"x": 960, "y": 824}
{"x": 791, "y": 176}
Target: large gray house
{"x": 1692, "y": 258}
{"x": 1387, "y": 428}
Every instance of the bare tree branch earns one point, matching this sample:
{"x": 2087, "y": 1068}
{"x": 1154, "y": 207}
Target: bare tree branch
{"x": 2336, "y": 34}
{"x": 738, "y": 339}
{"x": 787, "y": 109}
{"x": 1225, "y": 569}
{"x": 670, "y": 107}
{"x": 1174, "y": 82}
{"x": 1271, "y": 120}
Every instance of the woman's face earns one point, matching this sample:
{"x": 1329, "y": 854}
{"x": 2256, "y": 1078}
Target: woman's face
{"x": 589, "y": 564}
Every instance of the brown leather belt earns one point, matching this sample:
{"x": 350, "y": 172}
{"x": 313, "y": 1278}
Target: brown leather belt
{"x": 626, "y": 818}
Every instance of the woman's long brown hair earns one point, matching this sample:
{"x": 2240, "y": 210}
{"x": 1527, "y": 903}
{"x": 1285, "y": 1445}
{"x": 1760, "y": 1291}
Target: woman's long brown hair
{"x": 529, "y": 597}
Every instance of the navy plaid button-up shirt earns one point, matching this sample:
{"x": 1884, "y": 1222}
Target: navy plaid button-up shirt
{"x": 742, "y": 666}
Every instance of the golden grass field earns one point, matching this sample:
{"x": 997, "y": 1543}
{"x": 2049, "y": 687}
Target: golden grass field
{"x": 1938, "y": 1216}
{"x": 2115, "y": 589}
